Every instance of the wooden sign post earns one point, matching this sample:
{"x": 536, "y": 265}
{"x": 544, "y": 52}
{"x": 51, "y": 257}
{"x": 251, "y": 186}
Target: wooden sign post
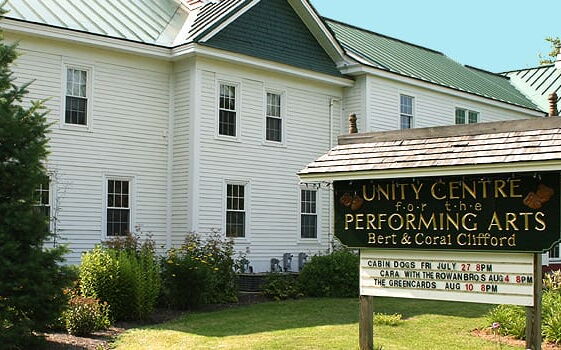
{"x": 366, "y": 323}
{"x": 534, "y": 313}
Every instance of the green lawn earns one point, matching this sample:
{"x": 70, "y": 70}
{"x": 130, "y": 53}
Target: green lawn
{"x": 317, "y": 324}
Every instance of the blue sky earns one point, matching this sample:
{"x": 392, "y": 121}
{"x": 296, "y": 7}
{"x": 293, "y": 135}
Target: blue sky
{"x": 496, "y": 35}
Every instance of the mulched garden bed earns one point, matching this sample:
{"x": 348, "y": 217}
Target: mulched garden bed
{"x": 509, "y": 340}
{"x": 102, "y": 340}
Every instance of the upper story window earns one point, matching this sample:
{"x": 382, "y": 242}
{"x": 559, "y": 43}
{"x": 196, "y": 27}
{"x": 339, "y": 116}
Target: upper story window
{"x": 76, "y": 99}
{"x": 274, "y": 118}
{"x": 227, "y": 112}
{"x": 465, "y": 116}
{"x": 235, "y": 210}
{"x": 118, "y": 207}
{"x": 406, "y": 111}
{"x": 308, "y": 214}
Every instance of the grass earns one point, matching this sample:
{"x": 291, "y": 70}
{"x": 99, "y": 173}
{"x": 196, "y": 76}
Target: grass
{"x": 318, "y": 324}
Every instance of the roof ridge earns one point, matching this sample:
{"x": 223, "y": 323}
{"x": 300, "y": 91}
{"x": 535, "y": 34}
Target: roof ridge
{"x": 383, "y": 35}
{"x": 509, "y": 126}
{"x": 523, "y": 69}
{"x": 487, "y": 72}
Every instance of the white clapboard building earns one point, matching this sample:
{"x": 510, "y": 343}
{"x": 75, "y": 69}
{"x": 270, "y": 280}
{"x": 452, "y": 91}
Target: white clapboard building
{"x": 177, "y": 116}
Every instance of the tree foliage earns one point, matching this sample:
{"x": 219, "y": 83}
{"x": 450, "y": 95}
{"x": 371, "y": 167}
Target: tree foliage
{"x": 31, "y": 277}
{"x": 552, "y": 55}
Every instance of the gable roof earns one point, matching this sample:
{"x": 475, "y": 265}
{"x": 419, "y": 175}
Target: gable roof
{"x": 410, "y": 60}
{"x": 537, "y": 83}
{"x": 150, "y": 22}
{"x": 282, "y": 38}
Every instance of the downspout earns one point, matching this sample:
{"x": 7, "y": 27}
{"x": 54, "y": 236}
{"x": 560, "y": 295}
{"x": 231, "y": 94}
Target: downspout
{"x": 331, "y": 204}
{"x": 169, "y": 189}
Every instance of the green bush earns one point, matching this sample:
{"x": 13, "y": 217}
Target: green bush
{"x": 333, "y": 275}
{"x": 85, "y": 315}
{"x": 280, "y": 286}
{"x": 128, "y": 280}
{"x": 199, "y": 272}
{"x": 512, "y": 319}
{"x": 551, "y": 315}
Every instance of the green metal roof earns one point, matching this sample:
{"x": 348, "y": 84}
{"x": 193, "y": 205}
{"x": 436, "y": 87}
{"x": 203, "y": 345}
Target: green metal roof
{"x": 417, "y": 62}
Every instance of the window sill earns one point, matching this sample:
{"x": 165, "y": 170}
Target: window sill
{"x": 235, "y": 139}
{"x": 75, "y": 127}
{"x": 273, "y": 144}
{"x": 239, "y": 240}
{"x": 308, "y": 240}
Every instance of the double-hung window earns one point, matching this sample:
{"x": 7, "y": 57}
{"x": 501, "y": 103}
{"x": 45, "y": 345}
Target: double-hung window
{"x": 406, "y": 111}
{"x": 554, "y": 253}
{"x": 274, "y": 118}
{"x": 118, "y": 207}
{"x": 308, "y": 214}
{"x": 235, "y": 210}
{"x": 76, "y": 96}
{"x": 465, "y": 116}
{"x": 42, "y": 198}
{"x": 227, "y": 112}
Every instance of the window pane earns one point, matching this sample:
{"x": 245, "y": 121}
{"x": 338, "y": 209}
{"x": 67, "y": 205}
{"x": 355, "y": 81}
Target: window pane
{"x": 274, "y": 129}
{"x": 406, "y": 103}
{"x": 405, "y": 122}
{"x": 75, "y": 112}
{"x": 227, "y": 123}
{"x": 460, "y": 116}
{"x": 308, "y": 226}
{"x": 235, "y": 224}
{"x": 473, "y": 117}
{"x": 554, "y": 252}
{"x": 118, "y": 221}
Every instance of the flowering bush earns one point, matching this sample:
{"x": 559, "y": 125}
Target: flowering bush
{"x": 85, "y": 315}
{"x": 199, "y": 272}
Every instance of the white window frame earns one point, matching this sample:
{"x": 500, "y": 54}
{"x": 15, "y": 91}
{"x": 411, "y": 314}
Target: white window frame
{"x": 132, "y": 202}
{"x": 413, "y": 109}
{"x": 283, "y": 114}
{"x": 468, "y": 110}
{"x": 51, "y": 200}
{"x": 89, "y": 96}
{"x": 247, "y": 207}
{"x": 238, "y": 88}
{"x": 319, "y": 209}
{"x": 554, "y": 260}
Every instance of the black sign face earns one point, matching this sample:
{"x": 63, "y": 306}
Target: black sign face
{"x": 501, "y": 212}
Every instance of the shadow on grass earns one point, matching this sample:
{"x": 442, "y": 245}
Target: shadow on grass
{"x": 305, "y": 313}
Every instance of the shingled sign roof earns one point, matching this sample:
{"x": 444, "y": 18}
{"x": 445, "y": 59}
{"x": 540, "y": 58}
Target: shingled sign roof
{"x": 474, "y": 144}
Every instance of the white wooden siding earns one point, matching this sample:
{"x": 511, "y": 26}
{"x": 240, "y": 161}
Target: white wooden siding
{"x": 127, "y": 138}
{"x": 430, "y": 108}
{"x": 274, "y": 208}
{"x": 354, "y": 101}
{"x": 181, "y": 151}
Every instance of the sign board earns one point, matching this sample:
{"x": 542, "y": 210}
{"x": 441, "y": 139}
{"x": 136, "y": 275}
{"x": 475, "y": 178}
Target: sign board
{"x": 501, "y": 212}
{"x": 470, "y": 277}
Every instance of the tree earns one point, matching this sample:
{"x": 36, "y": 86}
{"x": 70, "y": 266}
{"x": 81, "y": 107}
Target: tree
{"x": 31, "y": 276}
{"x": 552, "y": 55}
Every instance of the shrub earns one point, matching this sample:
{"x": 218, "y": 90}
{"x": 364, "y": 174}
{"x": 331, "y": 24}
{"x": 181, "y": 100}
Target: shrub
{"x": 388, "y": 320}
{"x": 552, "y": 281}
{"x": 551, "y": 316}
{"x": 85, "y": 315}
{"x": 199, "y": 272}
{"x": 511, "y": 318}
{"x": 333, "y": 275}
{"x": 280, "y": 286}
{"x": 128, "y": 280}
